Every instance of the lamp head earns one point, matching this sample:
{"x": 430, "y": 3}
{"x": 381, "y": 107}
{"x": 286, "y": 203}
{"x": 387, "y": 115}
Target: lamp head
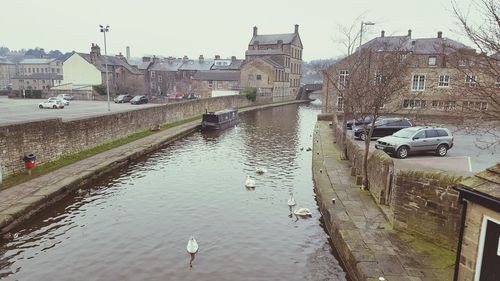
{"x": 368, "y": 23}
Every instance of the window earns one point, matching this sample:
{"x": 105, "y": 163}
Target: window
{"x": 340, "y": 104}
{"x": 431, "y": 133}
{"x": 343, "y": 79}
{"x": 432, "y": 60}
{"x": 379, "y": 79}
{"x": 153, "y": 74}
{"x": 419, "y": 135}
{"x": 462, "y": 63}
{"x": 470, "y": 80}
{"x": 219, "y": 85}
{"x": 159, "y": 78}
{"x": 418, "y": 83}
{"x": 442, "y": 133}
{"x": 444, "y": 81}
{"x": 497, "y": 83}
{"x": 414, "y": 103}
{"x": 259, "y": 77}
{"x": 478, "y": 105}
{"x": 444, "y": 105}
{"x": 210, "y": 84}
{"x": 152, "y": 84}
{"x": 402, "y": 56}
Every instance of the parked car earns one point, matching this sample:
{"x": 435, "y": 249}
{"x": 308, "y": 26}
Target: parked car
{"x": 359, "y": 122}
{"x": 65, "y": 96}
{"x": 139, "y": 100}
{"x": 177, "y": 96}
{"x": 55, "y": 104}
{"x": 383, "y": 127}
{"x": 65, "y": 102}
{"x": 417, "y": 139}
{"x": 123, "y": 98}
{"x": 191, "y": 96}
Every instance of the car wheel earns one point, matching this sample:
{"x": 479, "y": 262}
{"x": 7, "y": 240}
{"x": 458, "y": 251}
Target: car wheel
{"x": 40, "y": 106}
{"x": 362, "y": 136}
{"x": 442, "y": 150}
{"x": 54, "y": 107}
{"x": 402, "y": 152}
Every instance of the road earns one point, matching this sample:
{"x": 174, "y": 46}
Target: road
{"x": 465, "y": 156}
{"x": 24, "y": 110}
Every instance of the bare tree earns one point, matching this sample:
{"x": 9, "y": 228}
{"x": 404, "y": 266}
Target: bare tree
{"x": 480, "y": 89}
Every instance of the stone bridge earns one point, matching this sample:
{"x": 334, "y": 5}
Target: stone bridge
{"x": 310, "y": 92}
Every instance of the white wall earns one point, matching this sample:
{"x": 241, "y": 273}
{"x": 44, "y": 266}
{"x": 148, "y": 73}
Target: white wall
{"x": 78, "y": 71}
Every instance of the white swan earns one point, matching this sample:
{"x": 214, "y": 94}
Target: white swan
{"x": 291, "y": 200}
{"x": 192, "y": 246}
{"x": 250, "y": 182}
{"x": 260, "y": 170}
{"x": 302, "y": 212}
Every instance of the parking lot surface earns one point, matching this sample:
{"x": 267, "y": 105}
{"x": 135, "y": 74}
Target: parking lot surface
{"x": 24, "y": 110}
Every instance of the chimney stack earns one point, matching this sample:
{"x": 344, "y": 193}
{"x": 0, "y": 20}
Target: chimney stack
{"x": 185, "y": 59}
{"x": 155, "y": 59}
{"x": 280, "y": 44}
{"x": 217, "y": 57}
{"x": 409, "y": 33}
{"x": 146, "y": 59}
{"x": 254, "y": 31}
{"x": 95, "y": 52}
{"x": 233, "y": 58}
{"x": 440, "y": 34}
{"x": 128, "y": 53}
{"x": 201, "y": 59}
{"x": 296, "y": 29}
{"x": 382, "y": 33}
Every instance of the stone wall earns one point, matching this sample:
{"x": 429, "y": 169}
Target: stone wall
{"x": 425, "y": 204}
{"x": 53, "y": 138}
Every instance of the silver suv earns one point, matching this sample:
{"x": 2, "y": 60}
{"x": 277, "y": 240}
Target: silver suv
{"x": 417, "y": 139}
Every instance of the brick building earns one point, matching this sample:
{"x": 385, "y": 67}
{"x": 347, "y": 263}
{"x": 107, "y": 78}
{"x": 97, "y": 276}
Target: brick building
{"x": 281, "y": 52}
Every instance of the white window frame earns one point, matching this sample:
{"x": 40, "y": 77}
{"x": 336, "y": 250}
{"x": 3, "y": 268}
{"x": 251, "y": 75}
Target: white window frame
{"x": 340, "y": 103}
{"x": 470, "y": 80}
{"x": 444, "y": 80}
{"x": 159, "y": 78}
{"x": 210, "y": 84}
{"x": 497, "y": 83}
{"x": 343, "y": 79}
{"x": 153, "y": 74}
{"x": 480, "y": 246}
{"x": 419, "y": 87}
{"x": 432, "y": 59}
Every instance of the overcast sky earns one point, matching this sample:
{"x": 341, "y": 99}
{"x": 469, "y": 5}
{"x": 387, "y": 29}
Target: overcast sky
{"x": 210, "y": 27}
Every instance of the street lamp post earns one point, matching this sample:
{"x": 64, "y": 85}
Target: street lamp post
{"x": 361, "y": 30}
{"x": 104, "y": 30}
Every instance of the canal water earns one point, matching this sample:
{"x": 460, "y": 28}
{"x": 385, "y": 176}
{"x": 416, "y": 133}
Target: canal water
{"x": 135, "y": 223}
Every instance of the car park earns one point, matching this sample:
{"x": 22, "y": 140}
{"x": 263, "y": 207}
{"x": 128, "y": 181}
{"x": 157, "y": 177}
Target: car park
{"x": 65, "y": 96}
{"x": 417, "y": 139}
{"x": 363, "y": 121}
{"x": 139, "y": 100}
{"x": 383, "y": 127}
{"x": 123, "y": 98}
{"x": 65, "y": 102}
{"x": 55, "y": 104}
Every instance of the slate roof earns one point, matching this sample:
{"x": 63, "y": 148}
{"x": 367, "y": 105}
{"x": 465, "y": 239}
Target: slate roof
{"x": 112, "y": 61}
{"x": 5, "y": 61}
{"x": 264, "y": 52}
{"x": 37, "y": 61}
{"x": 483, "y": 188}
{"x": 416, "y": 46}
{"x": 40, "y": 76}
{"x": 235, "y": 65}
{"x": 144, "y": 65}
{"x": 169, "y": 65}
{"x": 196, "y": 65}
{"x": 272, "y": 62}
{"x": 270, "y": 39}
{"x": 217, "y": 75}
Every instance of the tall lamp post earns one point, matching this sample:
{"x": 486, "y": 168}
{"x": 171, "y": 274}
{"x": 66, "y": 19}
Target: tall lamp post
{"x": 104, "y": 30}
{"x": 361, "y": 30}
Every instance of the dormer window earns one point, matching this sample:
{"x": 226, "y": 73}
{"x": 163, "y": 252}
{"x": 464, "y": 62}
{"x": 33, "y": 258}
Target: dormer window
{"x": 432, "y": 61}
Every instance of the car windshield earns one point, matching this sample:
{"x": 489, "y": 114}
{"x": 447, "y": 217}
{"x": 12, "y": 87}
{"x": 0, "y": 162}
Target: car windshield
{"x": 405, "y": 133}
{"x": 120, "y": 97}
{"x": 136, "y": 98}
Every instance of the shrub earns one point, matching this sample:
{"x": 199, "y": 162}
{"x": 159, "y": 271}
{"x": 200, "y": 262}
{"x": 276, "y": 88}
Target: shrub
{"x": 250, "y": 93}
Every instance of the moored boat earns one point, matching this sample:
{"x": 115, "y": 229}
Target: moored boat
{"x": 219, "y": 120}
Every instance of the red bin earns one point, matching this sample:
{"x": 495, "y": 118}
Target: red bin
{"x": 29, "y": 164}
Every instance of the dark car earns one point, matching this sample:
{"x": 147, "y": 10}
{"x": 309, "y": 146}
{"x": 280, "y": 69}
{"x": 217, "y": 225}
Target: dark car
{"x": 123, "y": 98}
{"x": 383, "y": 127}
{"x": 139, "y": 100}
{"x": 191, "y": 96}
{"x": 359, "y": 122}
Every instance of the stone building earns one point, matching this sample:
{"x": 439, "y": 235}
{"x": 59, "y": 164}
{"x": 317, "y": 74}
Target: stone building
{"x": 281, "y": 51}
{"x": 212, "y": 83}
{"x": 267, "y": 76}
{"x": 37, "y": 74}
{"x": 7, "y": 71}
{"x": 478, "y": 254}
{"x": 435, "y": 79}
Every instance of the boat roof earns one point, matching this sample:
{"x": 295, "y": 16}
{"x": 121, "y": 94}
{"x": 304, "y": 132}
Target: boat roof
{"x": 221, "y": 111}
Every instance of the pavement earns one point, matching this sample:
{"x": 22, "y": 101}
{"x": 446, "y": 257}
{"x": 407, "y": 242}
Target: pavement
{"x": 360, "y": 232}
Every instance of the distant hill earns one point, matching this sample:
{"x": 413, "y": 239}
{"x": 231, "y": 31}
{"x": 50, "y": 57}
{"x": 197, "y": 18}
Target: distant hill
{"x": 311, "y": 71}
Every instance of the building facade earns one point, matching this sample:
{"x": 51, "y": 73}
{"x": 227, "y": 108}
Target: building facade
{"x": 7, "y": 71}
{"x": 284, "y": 50}
{"x": 37, "y": 74}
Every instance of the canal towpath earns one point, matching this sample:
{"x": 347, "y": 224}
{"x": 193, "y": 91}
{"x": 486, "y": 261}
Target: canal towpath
{"x": 21, "y": 201}
{"x": 359, "y": 230}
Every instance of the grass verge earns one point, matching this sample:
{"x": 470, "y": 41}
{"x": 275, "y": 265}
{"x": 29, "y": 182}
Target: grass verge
{"x": 48, "y": 167}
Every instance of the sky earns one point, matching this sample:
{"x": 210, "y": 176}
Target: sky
{"x": 213, "y": 27}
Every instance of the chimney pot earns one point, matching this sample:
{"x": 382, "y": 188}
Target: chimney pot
{"x": 409, "y": 33}
{"x": 440, "y": 34}
{"x": 296, "y": 29}
{"x": 254, "y": 31}
{"x": 217, "y": 57}
{"x": 233, "y": 58}
{"x": 201, "y": 59}
{"x": 382, "y": 33}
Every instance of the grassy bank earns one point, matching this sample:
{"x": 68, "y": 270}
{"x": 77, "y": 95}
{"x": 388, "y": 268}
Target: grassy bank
{"x": 48, "y": 167}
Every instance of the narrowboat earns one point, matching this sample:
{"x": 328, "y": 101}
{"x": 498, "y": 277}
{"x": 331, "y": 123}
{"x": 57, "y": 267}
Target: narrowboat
{"x": 219, "y": 120}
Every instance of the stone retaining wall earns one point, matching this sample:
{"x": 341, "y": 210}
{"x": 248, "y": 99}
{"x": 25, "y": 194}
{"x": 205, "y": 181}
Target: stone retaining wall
{"x": 53, "y": 138}
{"x": 425, "y": 204}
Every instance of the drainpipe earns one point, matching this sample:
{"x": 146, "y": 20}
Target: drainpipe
{"x": 460, "y": 237}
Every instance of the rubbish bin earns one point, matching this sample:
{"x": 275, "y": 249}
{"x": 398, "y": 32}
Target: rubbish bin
{"x": 29, "y": 161}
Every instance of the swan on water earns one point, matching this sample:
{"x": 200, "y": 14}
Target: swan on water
{"x": 260, "y": 170}
{"x": 291, "y": 200}
{"x": 250, "y": 182}
{"x": 192, "y": 246}
{"x": 308, "y": 149}
{"x": 302, "y": 212}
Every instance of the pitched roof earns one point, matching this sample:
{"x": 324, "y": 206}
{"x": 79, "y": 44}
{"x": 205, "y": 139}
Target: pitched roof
{"x": 234, "y": 65}
{"x": 269, "y": 39}
{"x": 40, "y": 76}
{"x": 111, "y": 61}
{"x": 217, "y": 75}
{"x": 264, "y": 52}
{"x": 483, "y": 187}
{"x": 144, "y": 65}
{"x": 168, "y": 65}
{"x": 5, "y": 61}
{"x": 416, "y": 46}
{"x": 197, "y": 65}
{"x": 272, "y": 62}
{"x": 36, "y": 61}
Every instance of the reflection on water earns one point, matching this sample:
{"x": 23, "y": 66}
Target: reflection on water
{"x": 134, "y": 224}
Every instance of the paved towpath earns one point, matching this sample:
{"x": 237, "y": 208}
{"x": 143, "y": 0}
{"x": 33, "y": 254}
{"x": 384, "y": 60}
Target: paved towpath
{"x": 359, "y": 229}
